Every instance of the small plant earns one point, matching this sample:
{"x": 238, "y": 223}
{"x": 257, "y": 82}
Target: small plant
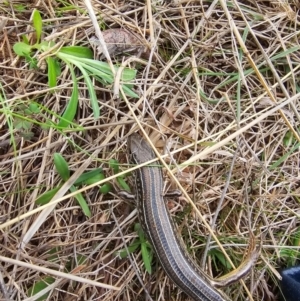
{"x": 87, "y": 178}
{"x": 142, "y": 243}
{"x": 72, "y": 56}
{"x": 23, "y": 117}
{"x": 291, "y": 255}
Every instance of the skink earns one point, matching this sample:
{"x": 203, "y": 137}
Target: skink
{"x": 156, "y": 222}
{"x": 158, "y": 226}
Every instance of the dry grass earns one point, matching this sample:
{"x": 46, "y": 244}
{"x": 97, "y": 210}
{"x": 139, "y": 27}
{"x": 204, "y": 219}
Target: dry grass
{"x": 209, "y": 84}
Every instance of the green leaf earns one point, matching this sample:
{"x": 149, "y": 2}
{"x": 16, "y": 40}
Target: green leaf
{"x": 37, "y": 24}
{"x": 39, "y": 286}
{"x": 132, "y": 248}
{"x": 47, "y": 196}
{"x": 61, "y": 166}
{"x": 71, "y": 108}
{"x": 82, "y": 202}
{"x": 105, "y": 188}
{"x": 20, "y": 7}
{"x": 147, "y": 257}
{"x": 146, "y": 249}
{"x": 128, "y": 74}
{"x": 140, "y": 232}
{"x": 34, "y": 108}
{"x": 129, "y": 92}
{"x": 114, "y": 164}
{"x": 77, "y": 51}
{"x": 283, "y": 158}
{"x": 215, "y": 253}
{"x": 22, "y": 49}
{"x": 90, "y": 86}
{"x": 94, "y": 179}
{"x": 44, "y": 45}
{"x": 25, "y": 39}
{"x": 123, "y": 184}
{"x": 52, "y": 78}
{"x": 23, "y": 124}
{"x": 296, "y": 241}
{"x": 89, "y": 176}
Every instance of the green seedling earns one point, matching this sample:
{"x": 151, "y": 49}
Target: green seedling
{"x": 87, "y": 178}
{"x": 71, "y": 56}
{"x": 23, "y": 119}
{"x": 142, "y": 244}
{"x": 292, "y": 255}
{"x": 115, "y": 165}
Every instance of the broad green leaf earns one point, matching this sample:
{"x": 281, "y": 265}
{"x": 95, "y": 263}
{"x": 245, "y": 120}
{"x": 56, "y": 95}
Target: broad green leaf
{"x": 105, "y": 188}
{"x": 71, "y": 108}
{"x": 27, "y": 135}
{"x": 77, "y": 51}
{"x": 107, "y": 78}
{"x": 61, "y": 166}
{"x": 94, "y": 179}
{"x": 127, "y": 74}
{"x": 22, "y": 49}
{"x": 52, "y": 78}
{"x": 82, "y": 202}
{"x": 39, "y": 286}
{"x": 37, "y": 24}
{"x": 88, "y": 177}
{"x": 34, "y": 108}
{"x": 47, "y": 196}
{"x": 123, "y": 184}
{"x": 147, "y": 254}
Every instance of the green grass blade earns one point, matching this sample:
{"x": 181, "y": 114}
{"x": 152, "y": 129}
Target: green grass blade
{"x": 129, "y": 92}
{"x": 90, "y": 86}
{"x": 61, "y": 166}
{"x": 147, "y": 257}
{"x": 47, "y": 196}
{"x": 37, "y": 24}
{"x": 284, "y": 157}
{"x": 71, "y": 108}
{"x": 52, "y": 78}
{"x": 77, "y": 51}
{"x": 39, "y": 286}
{"x": 88, "y": 176}
{"x": 82, "y": 202}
